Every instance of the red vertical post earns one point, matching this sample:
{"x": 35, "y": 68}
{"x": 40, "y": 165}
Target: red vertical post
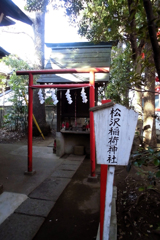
{"x": 103, "y": 181}
{"x": 92, "y": 134}
{"x": 30, "y": 122}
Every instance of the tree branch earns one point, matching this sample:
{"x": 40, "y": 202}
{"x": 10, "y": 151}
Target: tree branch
{"x": 141, "y": 45}
{"x": 137, "y": 90}
{"x": 18, "y": 33}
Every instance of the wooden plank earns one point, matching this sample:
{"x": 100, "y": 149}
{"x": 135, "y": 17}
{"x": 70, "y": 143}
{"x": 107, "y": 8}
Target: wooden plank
{"x": 103, "y": 106}
{"x": 108, "y": 202}
{"x": 80, "y": 50}
{"x": 86, "y": 65}
{"x": 81, "y": 60}
{"x": 114, "y": 133}
{"x": 72, "y": 55}
{"x": 82, "y": 64}
{"x": 65, "y": 78}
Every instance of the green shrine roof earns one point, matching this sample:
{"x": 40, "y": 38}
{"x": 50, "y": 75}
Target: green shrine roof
{"x": 77, "y": 55}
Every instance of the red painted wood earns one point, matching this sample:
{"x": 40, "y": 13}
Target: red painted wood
{"x": 30, "y": 122}
{"x": 103, "y": 182}
{"x": 62, "y": 85}
{"x": 92, "y": 134}
{"x": 63, "y": 71}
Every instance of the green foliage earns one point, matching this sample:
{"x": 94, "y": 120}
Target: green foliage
{"x": 120, "y": 75}
{"x": 100, "y": 20}
{"x": 17, "y": 64}
{"x": 123, "y": 77}
{"x": 17, "y": 115}
{"x": 147, "y": 157}
{"x": 36, "y": 5}
{"x": 49, "y": 101}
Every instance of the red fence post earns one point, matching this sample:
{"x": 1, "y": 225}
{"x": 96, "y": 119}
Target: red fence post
{"x": 92, "y": 134}
{"x": 30, "y": 124}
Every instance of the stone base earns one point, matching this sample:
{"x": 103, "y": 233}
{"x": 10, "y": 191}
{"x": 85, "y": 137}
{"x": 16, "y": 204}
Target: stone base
{"x": 30, "y": 173}
{"x": 92, "y": 179}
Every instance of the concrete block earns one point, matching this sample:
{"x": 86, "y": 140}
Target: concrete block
{"x": 93, "y": 179}
{"x": 50, "y": 189}
{"x": 35, "y": 207}
{"x": 79, "y": 150}
{"x": 59, "y": 144}
{"x": 30, "y": 173}
{"x": 20, "y": 227}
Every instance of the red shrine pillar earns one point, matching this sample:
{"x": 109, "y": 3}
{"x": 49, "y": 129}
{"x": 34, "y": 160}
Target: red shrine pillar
{"x": 30, "y": 125}
{"x": 92, "y": 134}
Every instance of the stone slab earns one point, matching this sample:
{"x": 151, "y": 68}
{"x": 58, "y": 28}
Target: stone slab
{"x": 9, "y": 202}
{"x": 76, "y": 157}
{"x": 35, "y": 207}
{"x": 73, "y": 162}
{"x": 38, "y": 152}
{"x": 59, "y": 173}
{"x": 70, "y": 167}
{"x": 20, "y": 227}
{"x": 50, "y": 189}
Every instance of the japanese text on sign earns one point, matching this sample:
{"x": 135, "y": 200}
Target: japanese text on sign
{"x": 114, "y": 131}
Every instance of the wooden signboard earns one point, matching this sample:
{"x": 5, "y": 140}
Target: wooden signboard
{"x": 114, "y": 132}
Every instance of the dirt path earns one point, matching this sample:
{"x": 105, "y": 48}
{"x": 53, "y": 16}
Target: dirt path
{"x": 138, "y": 212}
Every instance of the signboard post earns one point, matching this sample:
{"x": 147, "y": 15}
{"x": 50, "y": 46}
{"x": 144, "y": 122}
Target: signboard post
{"x": 114, "y": 132}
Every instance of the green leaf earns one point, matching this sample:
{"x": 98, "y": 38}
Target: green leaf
{"x": 141, "y": 189}
{"x": 136, "y": 164}
{"x": 150, "y": 150}
{"x": 158, "y": 174}
{"x": 156, "y": 162}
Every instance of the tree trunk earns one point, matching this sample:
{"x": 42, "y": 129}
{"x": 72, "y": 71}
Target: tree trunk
{"x": 138, "y": 108}
{"x": 39, "y": 29}
{"x": 136, "y": 52}
{"x": 39, "y": 24}
{"x": 149, "y": 130}
{"x": 138, "y": 103}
